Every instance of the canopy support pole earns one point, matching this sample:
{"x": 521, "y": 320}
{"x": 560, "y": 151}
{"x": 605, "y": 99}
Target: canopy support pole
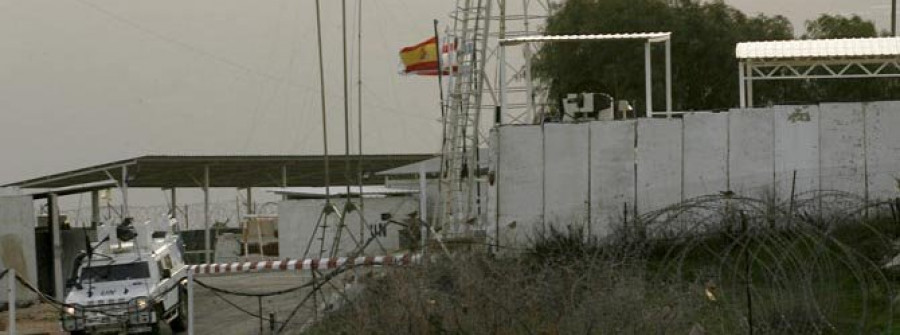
{"x": 53, "y": 212}
{"x": 648, "y": 83}
{"x": 11, "y": 300}
{"x": 742, "y": 84}
{"x": 124, "y": 186}
{"x": 284, "y": 181}
{"x": 174, "y": 198}
{"x": 749, "y": 74}
{"x": 669, "y": 78}
{"x": 95, "y": 208}
{"x": 206, "y": 241}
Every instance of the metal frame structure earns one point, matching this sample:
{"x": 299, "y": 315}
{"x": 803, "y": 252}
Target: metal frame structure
{"x": 815, "y": 59}
{"x": 649, "y": 38}
{"x": 473, "y": 88}
{"x": 204, "y": 172}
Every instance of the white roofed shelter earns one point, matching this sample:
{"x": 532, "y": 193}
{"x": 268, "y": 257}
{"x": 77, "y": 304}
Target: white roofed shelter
{"x": 649, "y": 38}
{"x": 815, "y": 59}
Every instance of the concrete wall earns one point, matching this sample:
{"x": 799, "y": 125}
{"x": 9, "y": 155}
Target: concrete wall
{"x": 882, "y": 149}
{"x": 751, "y": 152}
{"x": 612, "y": 174}
{"x": 297, "y": 222}
{"x": 796, "y": 150}
{"x": 705, "y": 154}
{"x": 659, "y": 164}
{"x": 560, "y": 173}
{"x": 842, "y": 152}
{"x": 520, "y": 183}
{"x": 566, "y": 157}
{"x": 17, "y": 247}
{"x": 72, "y": 241}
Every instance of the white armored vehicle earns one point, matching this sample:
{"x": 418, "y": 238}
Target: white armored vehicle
{"x": 132, "y": 281}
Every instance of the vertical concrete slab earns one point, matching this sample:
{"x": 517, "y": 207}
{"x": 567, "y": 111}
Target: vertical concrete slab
{"x": 520, "y": 183}
{"x": 17, "y": 245}
{"x": 388, "y": 240}
{"x": 296, "y": 222}
{"x": 883, "y": 149}
{"x": 842, "y": 152}
{"x": 566, "y": 175}
{"x": 612, "y": 175}
{"x": 751, "y": 156}
{"x": 490, "y": 201}
{"x": 705, "y": 154}
{"x": 796, "y": 149}
{"x": 659, "y": 163}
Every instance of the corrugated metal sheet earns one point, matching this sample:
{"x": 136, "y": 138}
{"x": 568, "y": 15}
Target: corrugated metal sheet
{"x": 432, "y": 166}
{"x": 337, "y": 191}
{"x": 656, "y": 37}
{"x": 166, "y": 171}
{"x": 806, "y": 49}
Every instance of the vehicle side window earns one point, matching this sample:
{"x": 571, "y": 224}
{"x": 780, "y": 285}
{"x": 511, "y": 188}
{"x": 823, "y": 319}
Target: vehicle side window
{"x": 167, "y": 262}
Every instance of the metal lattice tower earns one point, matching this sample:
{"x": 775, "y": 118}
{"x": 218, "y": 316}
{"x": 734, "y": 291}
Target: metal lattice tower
{"x": 473, "y": 90}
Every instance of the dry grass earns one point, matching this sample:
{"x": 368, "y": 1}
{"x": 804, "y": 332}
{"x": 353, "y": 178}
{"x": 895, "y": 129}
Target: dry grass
{"x": 712, "y": 265}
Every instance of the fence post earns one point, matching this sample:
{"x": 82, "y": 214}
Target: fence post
{"x": 190, "y": 297}
{"x": 11, "y": 297}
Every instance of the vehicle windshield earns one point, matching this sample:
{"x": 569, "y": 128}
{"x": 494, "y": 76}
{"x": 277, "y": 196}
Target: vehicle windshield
{"x": 116, "y": 272}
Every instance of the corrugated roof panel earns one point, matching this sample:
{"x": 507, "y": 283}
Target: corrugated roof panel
{"x": 834, "y": 48}
{"x": 660, "y": 36}
{"x": 338, "y": 191}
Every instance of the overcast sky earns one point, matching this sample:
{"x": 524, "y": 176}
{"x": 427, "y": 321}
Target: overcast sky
{"x": 88, "y": 81}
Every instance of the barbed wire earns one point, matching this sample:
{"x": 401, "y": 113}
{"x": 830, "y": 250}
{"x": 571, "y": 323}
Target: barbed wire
{"x": 249, "y": 294}
{"x": 761, "y": 264}
{"x": 783, "y": 254}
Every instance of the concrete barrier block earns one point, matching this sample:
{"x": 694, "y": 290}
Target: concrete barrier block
{"x": 796, "y": 149}
{"x": 883, "y": 149}
{"x": 705, "y": 154}
{"x": 520, "y": 181}
{"x": 751, "y": 157}
{"x": 612, "y": 175}
{"x": 659, "y": 163}
{"x": 566, "y": 175}
{"x": 842, "y": 152}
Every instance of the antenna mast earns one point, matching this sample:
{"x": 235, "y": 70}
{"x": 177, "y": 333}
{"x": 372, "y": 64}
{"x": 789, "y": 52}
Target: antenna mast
{"x": 474, "y": 88}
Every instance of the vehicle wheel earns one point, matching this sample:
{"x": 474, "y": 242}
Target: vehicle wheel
{"x": 180, "y": 323}
{"x": 161, "y": 328}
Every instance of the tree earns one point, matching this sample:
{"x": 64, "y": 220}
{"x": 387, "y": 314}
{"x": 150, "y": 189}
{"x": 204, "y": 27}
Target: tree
{"x": 703, "y": 45}
{"x": 839, "y": 26}
{"x": 862, "y": 89}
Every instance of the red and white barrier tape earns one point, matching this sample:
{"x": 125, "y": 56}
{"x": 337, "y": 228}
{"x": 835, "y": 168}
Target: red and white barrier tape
{"x": 304, "y": 264}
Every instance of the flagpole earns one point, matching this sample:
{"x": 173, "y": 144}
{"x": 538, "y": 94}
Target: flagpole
{"x": 359, "y": 121}
{"x": 440, "y": 71}
{"x": 440, "y": 52}
{"x": 346, "y": 103}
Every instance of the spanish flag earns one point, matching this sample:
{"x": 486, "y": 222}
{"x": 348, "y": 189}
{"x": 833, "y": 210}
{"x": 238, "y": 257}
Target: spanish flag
{"x": 422, "y": 58}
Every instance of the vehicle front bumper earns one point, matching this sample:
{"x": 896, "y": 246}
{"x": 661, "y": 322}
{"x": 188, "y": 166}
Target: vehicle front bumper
{"x": 108, "y": 319}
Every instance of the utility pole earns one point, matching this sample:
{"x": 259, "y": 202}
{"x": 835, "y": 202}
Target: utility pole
{"x": 893, "y": 17}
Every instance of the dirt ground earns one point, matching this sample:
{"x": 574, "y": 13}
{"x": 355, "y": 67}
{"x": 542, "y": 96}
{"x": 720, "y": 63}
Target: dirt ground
{"x": 213, "y": 315}
{"x": 35, "y": 319}
{"x": 216, "y": 316}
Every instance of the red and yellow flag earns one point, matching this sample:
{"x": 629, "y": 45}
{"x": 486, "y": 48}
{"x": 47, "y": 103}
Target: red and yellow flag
{"x": 422, "y": 58}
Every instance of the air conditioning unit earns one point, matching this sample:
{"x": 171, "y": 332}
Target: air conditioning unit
{"x": 578, "y": 107}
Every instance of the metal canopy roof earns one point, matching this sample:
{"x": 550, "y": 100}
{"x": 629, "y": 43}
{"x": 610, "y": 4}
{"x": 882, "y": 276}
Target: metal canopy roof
{"x": 809, "y": 49}
{"x": 432, "y": 166}
{"x": 339, "y": 191}
{"x": 225, "y": 171}
{"x": 649, "y": 38}
{"x": 652, "y": 37}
